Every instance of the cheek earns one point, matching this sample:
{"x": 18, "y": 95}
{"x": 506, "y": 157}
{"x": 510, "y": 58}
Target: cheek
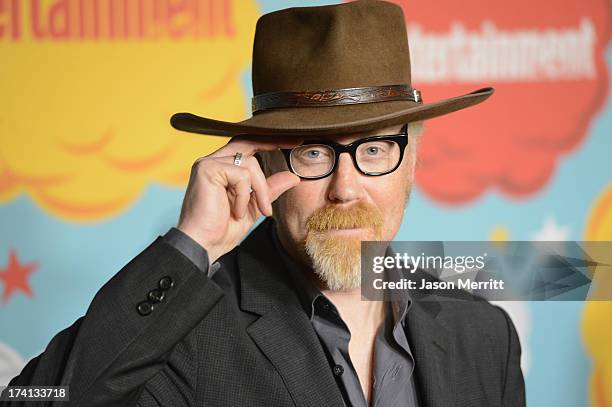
{"x": 391, "y": 199}
{"x": 390, "y": 203}
{"x": 297, "y": 204}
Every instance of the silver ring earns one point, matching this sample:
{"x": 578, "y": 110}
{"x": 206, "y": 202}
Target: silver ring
{"x": 237, "y": 158}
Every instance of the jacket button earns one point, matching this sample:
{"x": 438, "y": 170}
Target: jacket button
{"x": 338, "y": 370}
{"x": 156, "y": 296}
{"x": 145, "y": 308}
{"x": 166, "y": 283}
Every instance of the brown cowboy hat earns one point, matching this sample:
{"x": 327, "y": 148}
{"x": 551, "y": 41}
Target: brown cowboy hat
{"x": 331, "y": 70}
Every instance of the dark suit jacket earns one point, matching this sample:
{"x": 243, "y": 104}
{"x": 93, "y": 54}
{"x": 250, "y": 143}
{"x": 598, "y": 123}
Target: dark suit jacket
{"x": 241, "y": 338}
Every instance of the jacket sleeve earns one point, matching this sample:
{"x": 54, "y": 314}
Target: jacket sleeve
{"x": 514, "y": 385}
{"x": 128, "y": 331}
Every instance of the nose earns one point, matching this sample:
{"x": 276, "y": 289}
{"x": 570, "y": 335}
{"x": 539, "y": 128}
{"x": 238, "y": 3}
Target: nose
{"x": 344, "y": 186}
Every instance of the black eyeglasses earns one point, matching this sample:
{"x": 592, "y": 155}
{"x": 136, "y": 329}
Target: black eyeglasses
{"x": 373, "y": 156}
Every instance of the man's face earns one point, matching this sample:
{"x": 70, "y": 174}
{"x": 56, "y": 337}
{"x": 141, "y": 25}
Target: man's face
{"x": 321, "y": 223}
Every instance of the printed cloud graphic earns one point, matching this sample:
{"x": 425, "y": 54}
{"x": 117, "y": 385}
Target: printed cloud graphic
{"x": 596, "y": 327}
{"x": 84, "y": 120}
{"x": 550, "y": 77}
{"x": 11, "y": 363}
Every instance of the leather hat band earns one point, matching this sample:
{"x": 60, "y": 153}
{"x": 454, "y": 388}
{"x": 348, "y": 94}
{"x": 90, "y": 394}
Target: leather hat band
{"x": 336, "y": 97}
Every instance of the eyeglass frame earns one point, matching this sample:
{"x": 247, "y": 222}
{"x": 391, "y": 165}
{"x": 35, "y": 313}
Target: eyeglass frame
{"x": 401, "y": 139}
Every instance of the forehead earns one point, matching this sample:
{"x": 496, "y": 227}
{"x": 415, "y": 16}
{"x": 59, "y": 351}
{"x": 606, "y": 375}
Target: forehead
{"x": 348, "y": 138}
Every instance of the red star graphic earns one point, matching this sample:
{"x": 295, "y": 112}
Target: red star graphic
{"x": 15, "y": 276}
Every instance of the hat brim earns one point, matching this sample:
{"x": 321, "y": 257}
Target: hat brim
{"x": 328, "y": 120}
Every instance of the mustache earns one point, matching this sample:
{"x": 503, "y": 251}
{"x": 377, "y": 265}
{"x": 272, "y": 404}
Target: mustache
{"x": 360, "y": 215}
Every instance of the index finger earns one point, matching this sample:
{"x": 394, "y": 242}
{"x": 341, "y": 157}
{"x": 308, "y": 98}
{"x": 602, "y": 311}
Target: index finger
{"x": 249, "y": 145}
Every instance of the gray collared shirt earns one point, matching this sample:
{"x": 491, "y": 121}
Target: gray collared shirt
{"x": 393, "y": 384}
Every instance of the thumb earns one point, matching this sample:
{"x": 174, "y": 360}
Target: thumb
{"x": 281, "y": 182}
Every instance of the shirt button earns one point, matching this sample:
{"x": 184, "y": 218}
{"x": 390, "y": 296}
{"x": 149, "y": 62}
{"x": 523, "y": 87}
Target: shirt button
{"x": 326, "y": 306}
{"x": 338, "y": 370}
{"x": 156, "y": 296}
{"x": 145, "y": 308}
{"x": 166, "y": 283}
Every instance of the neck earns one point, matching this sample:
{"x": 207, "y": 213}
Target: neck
{"x": 357, "y": 313}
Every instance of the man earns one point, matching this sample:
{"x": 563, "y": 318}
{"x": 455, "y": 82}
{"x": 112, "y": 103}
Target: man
{"x": 201, "y": 318}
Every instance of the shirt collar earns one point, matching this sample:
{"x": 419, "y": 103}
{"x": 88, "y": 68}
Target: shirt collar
{"x": 402, "y": 300}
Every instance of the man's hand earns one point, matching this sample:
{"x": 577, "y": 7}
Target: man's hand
{"x": 219, "y": 209}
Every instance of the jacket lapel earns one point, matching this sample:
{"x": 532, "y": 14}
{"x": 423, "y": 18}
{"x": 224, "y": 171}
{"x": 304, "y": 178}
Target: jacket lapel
{"x": 434, "y": 354}
{"x": 283, "y": 331}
